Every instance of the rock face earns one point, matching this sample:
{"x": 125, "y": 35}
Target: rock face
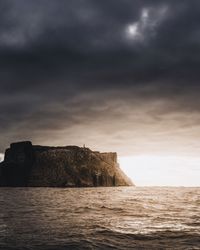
{"x": 70, "y": 166}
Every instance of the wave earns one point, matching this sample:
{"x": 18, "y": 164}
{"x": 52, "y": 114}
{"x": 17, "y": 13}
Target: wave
{"x": 121, "y": 218}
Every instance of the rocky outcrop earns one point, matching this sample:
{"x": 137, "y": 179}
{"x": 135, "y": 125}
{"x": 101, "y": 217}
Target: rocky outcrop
{"x": 70, "y": 166}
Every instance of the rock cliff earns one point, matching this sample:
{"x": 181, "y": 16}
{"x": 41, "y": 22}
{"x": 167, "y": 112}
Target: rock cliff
{"x": 71, "y": 166}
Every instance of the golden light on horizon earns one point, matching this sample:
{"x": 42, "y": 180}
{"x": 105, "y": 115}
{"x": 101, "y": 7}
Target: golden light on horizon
{"x": 154, "y": 170}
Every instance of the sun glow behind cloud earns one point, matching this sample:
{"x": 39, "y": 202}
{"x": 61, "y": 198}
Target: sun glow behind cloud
{"x": 146, "y": 24}
{"x": 150, "y": 170}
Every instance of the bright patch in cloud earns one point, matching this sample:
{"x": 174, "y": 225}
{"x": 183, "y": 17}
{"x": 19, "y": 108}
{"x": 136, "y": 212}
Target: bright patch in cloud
{"x": 149, "y": 19}
{"x": 133, "y": 30}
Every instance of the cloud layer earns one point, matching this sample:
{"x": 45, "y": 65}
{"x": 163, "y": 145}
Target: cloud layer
{"x": 116, "y": 75}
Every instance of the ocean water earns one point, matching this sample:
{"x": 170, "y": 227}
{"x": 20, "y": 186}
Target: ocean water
{"x": 99, "y": 218}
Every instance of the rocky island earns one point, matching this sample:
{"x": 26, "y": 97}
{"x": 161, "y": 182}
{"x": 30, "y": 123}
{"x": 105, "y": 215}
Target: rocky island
{"x": 70, "y": 166}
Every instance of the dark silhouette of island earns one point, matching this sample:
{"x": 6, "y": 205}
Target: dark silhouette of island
{"x": 70, "y": 166}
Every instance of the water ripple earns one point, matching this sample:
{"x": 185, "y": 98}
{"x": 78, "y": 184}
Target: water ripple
{"x": 99, "y": 218}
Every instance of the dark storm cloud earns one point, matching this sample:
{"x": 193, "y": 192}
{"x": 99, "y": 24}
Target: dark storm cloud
{"x": 102, "y": 72}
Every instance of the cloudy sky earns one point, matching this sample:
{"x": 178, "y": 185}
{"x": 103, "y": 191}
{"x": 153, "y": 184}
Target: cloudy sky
{"x": 116, "y": 75}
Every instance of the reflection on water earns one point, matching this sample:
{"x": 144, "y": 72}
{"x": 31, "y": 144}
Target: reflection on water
{"x": 100, "y": 218}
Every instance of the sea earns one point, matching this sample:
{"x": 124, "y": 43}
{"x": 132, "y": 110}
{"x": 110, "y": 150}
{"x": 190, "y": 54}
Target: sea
{"x": 99, "y": 218}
